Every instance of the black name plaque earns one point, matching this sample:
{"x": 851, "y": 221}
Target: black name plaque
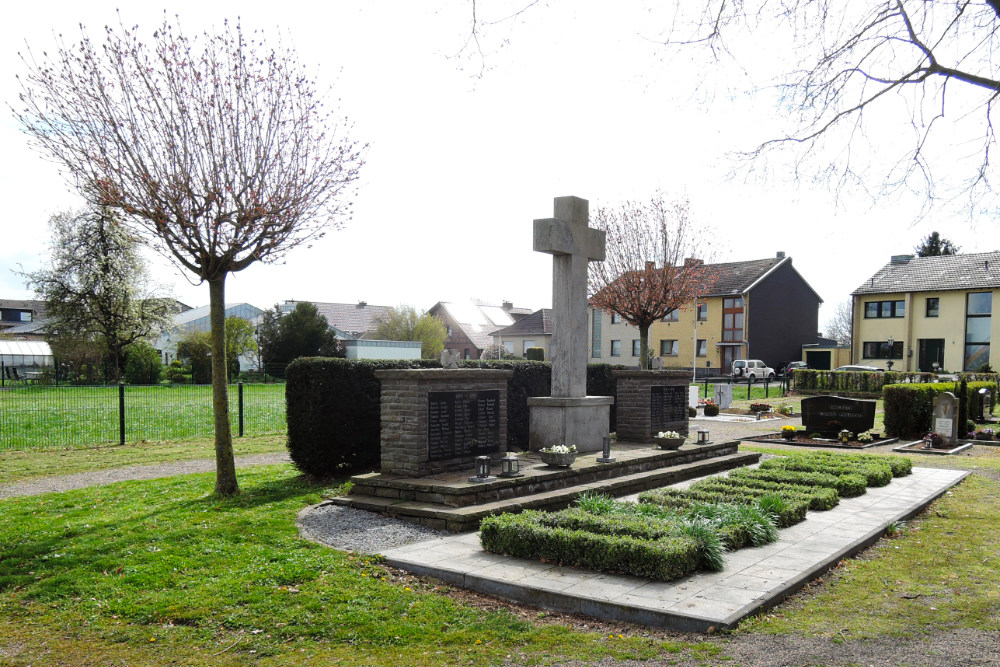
{"x": 462, "y": 423}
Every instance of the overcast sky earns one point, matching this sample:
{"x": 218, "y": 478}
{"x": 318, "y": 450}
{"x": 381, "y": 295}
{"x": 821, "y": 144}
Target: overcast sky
{"x": 577, "y": 99}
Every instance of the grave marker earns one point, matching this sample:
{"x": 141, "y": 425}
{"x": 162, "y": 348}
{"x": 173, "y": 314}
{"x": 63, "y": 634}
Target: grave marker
{"x": 945, "y": 419}
{"x": 828, "y": 415}
{"x": 723, "y": 395}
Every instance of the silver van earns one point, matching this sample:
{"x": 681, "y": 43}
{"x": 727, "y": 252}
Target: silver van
{"x": 752, "y": 369}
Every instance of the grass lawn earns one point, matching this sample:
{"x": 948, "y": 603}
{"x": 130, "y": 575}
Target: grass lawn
{"x": 161, "y": 571}
{"x": 19, "y": 466}
{"x": 43, "y": 416}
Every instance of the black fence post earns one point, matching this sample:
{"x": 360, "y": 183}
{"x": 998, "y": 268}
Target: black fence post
{"x": 749, "y": 385}
{"x": 240, "y": 393}
{"x": 767, "y": 387}
{"x": 3, "y": 371}
{"x": 121, "y": 413}
{"x": 706, "y": 386}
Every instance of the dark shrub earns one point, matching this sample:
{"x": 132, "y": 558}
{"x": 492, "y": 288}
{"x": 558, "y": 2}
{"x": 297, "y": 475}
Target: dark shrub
{"x": 711, "y": 410}
{"x": 142, "y": 363}
{"x": 535, "y": 354}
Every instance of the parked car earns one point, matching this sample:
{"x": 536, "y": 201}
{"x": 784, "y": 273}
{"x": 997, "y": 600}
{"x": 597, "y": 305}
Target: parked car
{"x": 786, "y": 369}
{"x": 861, "y": 369}
{"x": 752, "y": 369}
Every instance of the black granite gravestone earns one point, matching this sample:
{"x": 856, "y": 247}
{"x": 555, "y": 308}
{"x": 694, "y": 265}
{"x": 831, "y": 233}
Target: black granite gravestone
{"x": 829, "y": 415}
{"x": 667, "y": 406}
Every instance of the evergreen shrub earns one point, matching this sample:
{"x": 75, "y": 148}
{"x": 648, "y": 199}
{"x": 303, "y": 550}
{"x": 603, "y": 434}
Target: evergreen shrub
{"x": 535, "y": 354}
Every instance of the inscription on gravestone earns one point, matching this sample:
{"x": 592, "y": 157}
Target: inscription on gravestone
{"x": 667, "y": 405}
{"x": 945, "y": 422}
{"x": 830, "y": 414}
{"x": 462, "y": 423}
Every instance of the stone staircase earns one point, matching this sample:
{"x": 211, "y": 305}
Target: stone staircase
{"x": 450, "y": 501}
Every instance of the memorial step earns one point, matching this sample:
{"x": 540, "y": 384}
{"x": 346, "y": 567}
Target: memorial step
{"x": 467, "y": 518}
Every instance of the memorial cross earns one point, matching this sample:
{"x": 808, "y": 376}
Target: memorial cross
{"x": 573, "y": 244}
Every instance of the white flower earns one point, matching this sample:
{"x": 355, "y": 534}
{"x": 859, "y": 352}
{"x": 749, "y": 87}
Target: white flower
{"x": 560, "y": 449}
{"x": 668, "y": 434}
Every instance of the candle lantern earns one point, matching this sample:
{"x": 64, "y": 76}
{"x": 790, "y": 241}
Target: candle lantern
{"x": 703, "y": 436}
{"x": 510, "y": 466}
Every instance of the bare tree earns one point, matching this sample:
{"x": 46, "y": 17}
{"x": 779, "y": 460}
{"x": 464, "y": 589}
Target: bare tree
{"x": 217, "y": 147}
{"x": 645, "y": 275}
{"x": 839, "y": 325}
{"x": 863, "y": 64}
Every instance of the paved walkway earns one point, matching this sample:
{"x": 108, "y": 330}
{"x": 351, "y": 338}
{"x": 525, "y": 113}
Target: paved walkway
{"x": 753, "y": 579}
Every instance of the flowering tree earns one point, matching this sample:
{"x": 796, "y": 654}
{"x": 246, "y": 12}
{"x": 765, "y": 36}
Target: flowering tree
{"x": 644, "y": 274}
{"x": 216, "y": 147}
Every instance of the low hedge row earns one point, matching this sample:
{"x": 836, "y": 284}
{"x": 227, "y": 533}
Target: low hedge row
{"x": 875, "y": 474}
{"x": 792, "y": 511}
{"x": 821, "y": 498}
{"x": 847, "y": 486}
{"x": 525, "y": 535}
{"x": 900, "y": 465}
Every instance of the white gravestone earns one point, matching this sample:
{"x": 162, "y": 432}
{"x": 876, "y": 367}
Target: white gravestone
{"x": 692, "y": 397}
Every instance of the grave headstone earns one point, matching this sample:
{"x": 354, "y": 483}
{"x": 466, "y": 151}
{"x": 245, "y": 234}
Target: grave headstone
{"x": 945, "y": 419}
{"x": 723, "y": 395}
{"x": 982, "y": 405}
{"x": 692, "y": 397}
{"x": 829, "y": 415}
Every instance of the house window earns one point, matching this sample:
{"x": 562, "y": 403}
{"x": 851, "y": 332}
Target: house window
{"x": 616, "y": 318}
{"x": 448, "y": 329}
{"x": 978, "y": 321}
{"x": 702, "y": 348}
{"x": 732, "y": 320}
{"x": 879, "y": 349}
{"x": 635, "y": 347}
{"x": 527, "y": 344}
{"x": 702, "y": 312}
{"x": 510, "y": 346}
{"x": 933, "y": 306}
{"x": 595, "y": 334}
{"x": 672, "y": 316}
{"x": 467, "y": 354}
{"x": 616, "y": 348}
{"x": 668, "y": 348}
{"x": 25, "y": 315}
{"x": 878, "y": 309}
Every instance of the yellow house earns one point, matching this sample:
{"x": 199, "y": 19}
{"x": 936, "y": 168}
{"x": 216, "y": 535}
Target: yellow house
{"x": 928, "y": 313}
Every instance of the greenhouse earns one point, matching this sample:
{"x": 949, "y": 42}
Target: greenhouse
{"x": 24, "y": 359}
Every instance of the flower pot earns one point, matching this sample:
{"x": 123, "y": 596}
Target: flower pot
{"x": 788, "y": 435}
{"x": 668, "y": 443}
{"x": 558, "y": 460}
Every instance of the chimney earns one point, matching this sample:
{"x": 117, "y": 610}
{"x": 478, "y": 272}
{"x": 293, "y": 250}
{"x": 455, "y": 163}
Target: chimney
{"x": 692, "y": 261}
{"x": 900, "y": 259}
{"x": 362, "y": 304}
{"x": 508, "y": 306}
{"x": 781, "y": 254}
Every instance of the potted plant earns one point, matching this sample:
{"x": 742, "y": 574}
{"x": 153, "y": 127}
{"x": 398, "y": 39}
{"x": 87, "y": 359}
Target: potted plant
{"x": 865, "y": 438}
{"x": 558, "y": 455}
{"x": 788, "y": 432}
{"x": 760, "y": 407}
{"x": 932, "y": 440}
{"x": 668, "y": 440}
{"x": 711, "y": 410}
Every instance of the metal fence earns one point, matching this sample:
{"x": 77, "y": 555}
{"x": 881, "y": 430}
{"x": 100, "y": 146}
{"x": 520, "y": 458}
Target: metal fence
{"x": 34, "y": 417}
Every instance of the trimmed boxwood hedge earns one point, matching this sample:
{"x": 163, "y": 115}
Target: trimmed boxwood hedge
{"x": 900, "y": 465}
{"x": 875, "y": 474}
{"x": 333, "y": 408}
{"x": 847, "y": 486}
{"x": 820, "y": 498}
{"x": 794, "y": 511}
{"x": 526, "y": 535}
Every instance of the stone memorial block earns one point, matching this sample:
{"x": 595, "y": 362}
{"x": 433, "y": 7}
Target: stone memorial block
{"x": 450, "y": 358}
{"x": 723, "y": 395}
{"x": 944, "y": 420}
{"x": 649, "y": 402}
{"x": 829, "y": 415}
{"x": 692, "y": 397}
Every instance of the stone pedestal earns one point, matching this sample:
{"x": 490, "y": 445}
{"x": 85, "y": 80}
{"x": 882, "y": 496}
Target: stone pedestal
{"x": 650, "y": 402}
{"x": 435, "y": 420}
{"x": 582, "y": 421}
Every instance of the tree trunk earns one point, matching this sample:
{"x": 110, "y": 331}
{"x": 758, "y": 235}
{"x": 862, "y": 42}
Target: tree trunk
{"x": 225, "y": 463}
{"x": 644, "y": 348}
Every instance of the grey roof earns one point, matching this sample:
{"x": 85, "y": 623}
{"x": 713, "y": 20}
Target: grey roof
{"x": 738, "y": 277}
{"x": 355, "y": 319}
{"x": 945, "y": 272}
{"x": 538, "y": 323}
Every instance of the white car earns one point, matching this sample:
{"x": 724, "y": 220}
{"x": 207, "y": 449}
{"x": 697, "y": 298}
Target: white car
{"x": 752, "y": 369}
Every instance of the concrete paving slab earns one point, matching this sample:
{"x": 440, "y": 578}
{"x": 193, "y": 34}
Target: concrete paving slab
{"x": 753, "y": 580}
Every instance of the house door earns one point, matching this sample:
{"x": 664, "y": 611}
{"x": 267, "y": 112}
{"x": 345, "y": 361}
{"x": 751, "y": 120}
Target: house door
{"x": 931, "y": 351}
{"x": 819, "y": 361}
{"x": 730, "y": 353}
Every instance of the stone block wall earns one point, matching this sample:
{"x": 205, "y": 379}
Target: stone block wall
{"x": 633, "y": 402}
{"x": 404, "y": 423}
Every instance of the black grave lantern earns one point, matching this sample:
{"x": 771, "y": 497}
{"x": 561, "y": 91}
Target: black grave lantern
{"x": 510, "y": 466}
{"x": 482, "y": 467}
{"x": 703, "y": 436}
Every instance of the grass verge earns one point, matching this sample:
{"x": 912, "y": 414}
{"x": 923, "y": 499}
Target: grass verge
{"x": 20, "y": 466}
{"x": 164, "y": 572}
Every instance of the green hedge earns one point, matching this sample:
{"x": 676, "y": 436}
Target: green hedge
{"x": 820, "y": 498}
{"x": 900, "y": 465}
{"x": 852, "y": 382}
{"x": 333, "y": 413}
{"x": 875, "y": 474}
{"x": 846, "y": 486}
{"x": 909, "y": 407}
{"x": 794, "y": 511}
{"x": 526, "y": 536}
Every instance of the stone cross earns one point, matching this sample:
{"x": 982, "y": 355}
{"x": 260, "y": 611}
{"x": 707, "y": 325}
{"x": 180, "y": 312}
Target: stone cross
{"x": 573, "y": 244}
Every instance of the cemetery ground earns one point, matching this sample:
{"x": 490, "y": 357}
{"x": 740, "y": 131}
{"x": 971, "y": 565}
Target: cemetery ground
{"x": 161, "y": 571}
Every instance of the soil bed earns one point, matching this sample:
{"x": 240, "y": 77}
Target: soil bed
{"x": 806, "y": 441}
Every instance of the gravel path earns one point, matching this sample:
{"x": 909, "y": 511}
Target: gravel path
{"x": 82, "y": 480}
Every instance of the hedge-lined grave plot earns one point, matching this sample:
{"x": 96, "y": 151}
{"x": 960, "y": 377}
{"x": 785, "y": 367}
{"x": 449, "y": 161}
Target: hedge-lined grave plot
{"x": 673, "y": 532}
